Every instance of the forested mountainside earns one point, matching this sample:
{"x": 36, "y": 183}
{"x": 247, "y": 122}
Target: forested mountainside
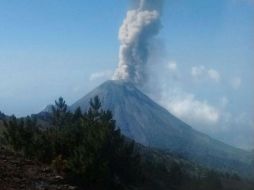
{"x": 87, "y": 151}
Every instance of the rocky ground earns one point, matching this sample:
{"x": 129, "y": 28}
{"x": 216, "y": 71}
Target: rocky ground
{"x": 17, "y": 173}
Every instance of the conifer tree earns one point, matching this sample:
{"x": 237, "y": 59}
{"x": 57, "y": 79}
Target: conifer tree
{"x": 60, "y": 113}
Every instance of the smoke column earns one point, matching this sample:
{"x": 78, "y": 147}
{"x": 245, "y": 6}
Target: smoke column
{"x": 138, "y": 29}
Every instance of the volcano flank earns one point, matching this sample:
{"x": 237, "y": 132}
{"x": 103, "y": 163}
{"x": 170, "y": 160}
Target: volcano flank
{"x": 149, "y": 124}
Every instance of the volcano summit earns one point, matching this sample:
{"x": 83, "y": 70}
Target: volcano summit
{"x": 144, "y": 121}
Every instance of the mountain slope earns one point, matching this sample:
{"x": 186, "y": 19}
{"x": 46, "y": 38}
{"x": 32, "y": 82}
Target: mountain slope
{"x": 147, "y": 123}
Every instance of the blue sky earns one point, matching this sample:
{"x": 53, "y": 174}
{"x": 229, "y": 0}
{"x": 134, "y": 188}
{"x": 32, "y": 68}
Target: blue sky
{"x": 52, "y": 48}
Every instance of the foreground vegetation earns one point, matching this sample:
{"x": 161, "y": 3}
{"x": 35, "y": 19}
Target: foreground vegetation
{"x": 89, "y": 151}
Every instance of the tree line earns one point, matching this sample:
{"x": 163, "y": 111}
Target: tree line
{"x": 85, "y": 147}
{"x": 89, "y": 150}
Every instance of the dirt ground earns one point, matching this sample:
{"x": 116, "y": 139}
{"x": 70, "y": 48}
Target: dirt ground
{"x": 17, "y": 173}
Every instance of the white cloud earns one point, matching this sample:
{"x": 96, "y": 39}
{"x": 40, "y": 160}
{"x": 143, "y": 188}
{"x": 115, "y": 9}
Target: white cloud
{"x": 213, "y": 114}
{"x": 197, "y": 71}
{"x": 185, "y": 105}
{"x": 172, "y": 66}
{"x": 101, "y": 75}
{"x": 214, "y": 75}
{"x": 236, "y": 83}
{"x": 191, "y": 110}
{"x": 201, "y": 72}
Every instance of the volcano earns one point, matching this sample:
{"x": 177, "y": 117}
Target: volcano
{"x": 149, "y": 124}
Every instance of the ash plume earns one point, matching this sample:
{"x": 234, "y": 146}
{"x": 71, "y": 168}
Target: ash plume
{"x": 140, "y": 26}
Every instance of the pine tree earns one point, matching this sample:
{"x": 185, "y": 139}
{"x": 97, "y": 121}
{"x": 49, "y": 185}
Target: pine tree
{"x": 12, "y": 133}
{"x": 104, "y": 159}
{"x": 60, "y": 113}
